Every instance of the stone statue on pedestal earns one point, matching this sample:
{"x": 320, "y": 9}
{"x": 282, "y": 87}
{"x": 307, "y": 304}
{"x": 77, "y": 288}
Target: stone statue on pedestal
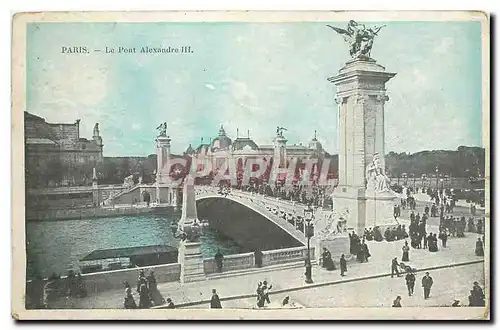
{"x": 376, "y": 180}
{"x": 279, "y": 131}
{"x": 162, "y": 129}
{"x": 359, "y": 38}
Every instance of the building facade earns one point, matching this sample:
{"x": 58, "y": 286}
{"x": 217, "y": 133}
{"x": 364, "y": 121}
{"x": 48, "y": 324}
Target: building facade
{"x": 240, "y": 150}
{"x": 56, "y": 155}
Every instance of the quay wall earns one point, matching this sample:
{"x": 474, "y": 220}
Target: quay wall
{"x": 114, "y": 279}
{"x": 86, "y": 213}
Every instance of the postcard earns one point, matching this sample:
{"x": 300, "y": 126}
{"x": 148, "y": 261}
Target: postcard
{"x": 251, "y": 165}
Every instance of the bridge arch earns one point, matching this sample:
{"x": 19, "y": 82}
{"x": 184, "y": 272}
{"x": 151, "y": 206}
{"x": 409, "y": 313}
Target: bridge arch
{"x": 247, "y": 222}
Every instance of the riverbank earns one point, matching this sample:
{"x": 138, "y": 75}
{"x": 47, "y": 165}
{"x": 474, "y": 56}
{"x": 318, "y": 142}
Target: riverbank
{"x": 97, "y": 212}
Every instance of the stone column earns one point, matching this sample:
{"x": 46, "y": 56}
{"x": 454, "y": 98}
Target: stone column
{"x": 361, "y": 97}
{"x": 189, "y": 255}
{"x": 95, "y": 189}
{"x": 162, "y": 172}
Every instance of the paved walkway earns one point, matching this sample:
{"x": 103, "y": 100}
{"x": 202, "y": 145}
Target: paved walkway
{"x": 449, "y": 284}
{"x": 239, "y": 287}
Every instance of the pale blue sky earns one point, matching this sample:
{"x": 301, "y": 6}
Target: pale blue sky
{"x": 252, "y": 76}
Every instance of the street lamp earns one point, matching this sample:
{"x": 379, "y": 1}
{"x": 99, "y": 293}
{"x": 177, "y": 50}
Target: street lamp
{"x": 424, "y": 178}
{"x": 413, "y": 176}
{"x": 309, "y": 216}
{"x": 437, "y": 177}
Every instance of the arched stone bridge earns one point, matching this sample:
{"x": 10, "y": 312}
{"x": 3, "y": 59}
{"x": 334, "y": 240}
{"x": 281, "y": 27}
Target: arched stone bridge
{"x": 287, "y": 215}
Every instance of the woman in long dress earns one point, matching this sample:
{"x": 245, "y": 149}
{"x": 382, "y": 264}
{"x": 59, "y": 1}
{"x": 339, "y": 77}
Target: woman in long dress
{"x": 406, "y": 252}
{"x": 479, "y": 248}
{"x": 328, "y": 263}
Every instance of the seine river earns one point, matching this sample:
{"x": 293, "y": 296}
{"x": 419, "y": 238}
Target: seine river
{"x": 56, "y": 246}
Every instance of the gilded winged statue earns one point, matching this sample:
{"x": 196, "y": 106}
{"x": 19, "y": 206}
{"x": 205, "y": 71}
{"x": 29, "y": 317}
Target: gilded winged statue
{"x": 359, "y": 37}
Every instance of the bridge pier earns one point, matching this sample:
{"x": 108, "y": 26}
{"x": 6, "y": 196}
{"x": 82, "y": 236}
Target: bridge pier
{"x": 189, "y": 255}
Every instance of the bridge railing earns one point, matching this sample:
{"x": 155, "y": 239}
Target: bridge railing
{"x": 274, "y": 257}
{"x": 230, "y": 262}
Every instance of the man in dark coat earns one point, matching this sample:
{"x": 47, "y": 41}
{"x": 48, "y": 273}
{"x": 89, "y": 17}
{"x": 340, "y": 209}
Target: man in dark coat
{"x": 215, "y": 301}
{"x": 477, "y": 296}
{"x": 443, "y": 237}
{"x": 479, "y": 248}
{"x": 218, "y": 260}
{"x": 410, "y": 282}
{"x": 427, "y": 283}
{"x": 258, "y": 258}
{"x": 394, "y": 267}
{"x": 343, "y": 265}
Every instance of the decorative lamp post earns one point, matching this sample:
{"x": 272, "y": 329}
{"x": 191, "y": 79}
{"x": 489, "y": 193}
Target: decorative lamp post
{"x": 437, "y": 177}
{"x": 405, "y": 179}
{"x": 413, "y": 176}
{"x": 309, "y": 216}
{"x": 424, "y": 178}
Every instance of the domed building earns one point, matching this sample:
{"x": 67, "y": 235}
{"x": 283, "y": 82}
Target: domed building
{"x": 223, "y": 148}
{"x": 221, "y": 142}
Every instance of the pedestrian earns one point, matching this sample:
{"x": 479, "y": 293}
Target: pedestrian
{"x": 328, "y": 263}
{"x": 343, "y": 265}
{"x": 141, "y": 280}
{"x": 308, "y": 272}
{"x": 406, "y": 252}
{"x": 170, "y": 304}
{"x": 397, "y": 302}
{"x": 477, "y": 296}
{"x": 128, "y": 301}
{"x": 394, "y": 267}
{"x": 443, "y": 237}
{"x": 215, "y": 301}
{"x": 80, "y": 285}
{"x": 154, "y": 293}
{"x": 479, "y": 248}
{"x": 258, "y": 258}
{"x": 427, "y": 283}
{"x": 410, "y": 282}
{"x": 219, "y": 260}
{"x": 144, "y": 297}
{"x": 265, "y": 291}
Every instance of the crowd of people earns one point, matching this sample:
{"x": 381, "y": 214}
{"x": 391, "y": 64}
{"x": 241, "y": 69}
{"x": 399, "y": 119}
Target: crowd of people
{"x": 328, "y": 263}
{"x": 309, "y": 195}
{"x": 71, "y": 286}
{"x": 358, "y": 247}
{"x": 149, "y": 295}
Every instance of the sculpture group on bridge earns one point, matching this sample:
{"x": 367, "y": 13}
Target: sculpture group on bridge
{"x": 359, "y": 37}
{"x": 375, "y": 177}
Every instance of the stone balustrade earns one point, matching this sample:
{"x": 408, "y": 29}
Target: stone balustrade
{"x": 230, "y": 262}
{"x": 274, "y": 257}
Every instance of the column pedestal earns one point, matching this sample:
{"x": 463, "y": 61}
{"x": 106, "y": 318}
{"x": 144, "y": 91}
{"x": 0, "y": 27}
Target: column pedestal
{"x": 191, "y": 262}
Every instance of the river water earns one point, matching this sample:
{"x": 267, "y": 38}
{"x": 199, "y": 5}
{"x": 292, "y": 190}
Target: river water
{"x": 56, "y": 246}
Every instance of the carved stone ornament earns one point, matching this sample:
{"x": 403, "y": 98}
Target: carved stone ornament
{"x": 361, "y": 98}
{"x": 340, "y": 100}
{"x": 382, "y": 98}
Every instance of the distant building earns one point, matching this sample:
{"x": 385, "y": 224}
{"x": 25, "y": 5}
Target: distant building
{"x": 55, "y": 154}
{"x": 241, "y": 149}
